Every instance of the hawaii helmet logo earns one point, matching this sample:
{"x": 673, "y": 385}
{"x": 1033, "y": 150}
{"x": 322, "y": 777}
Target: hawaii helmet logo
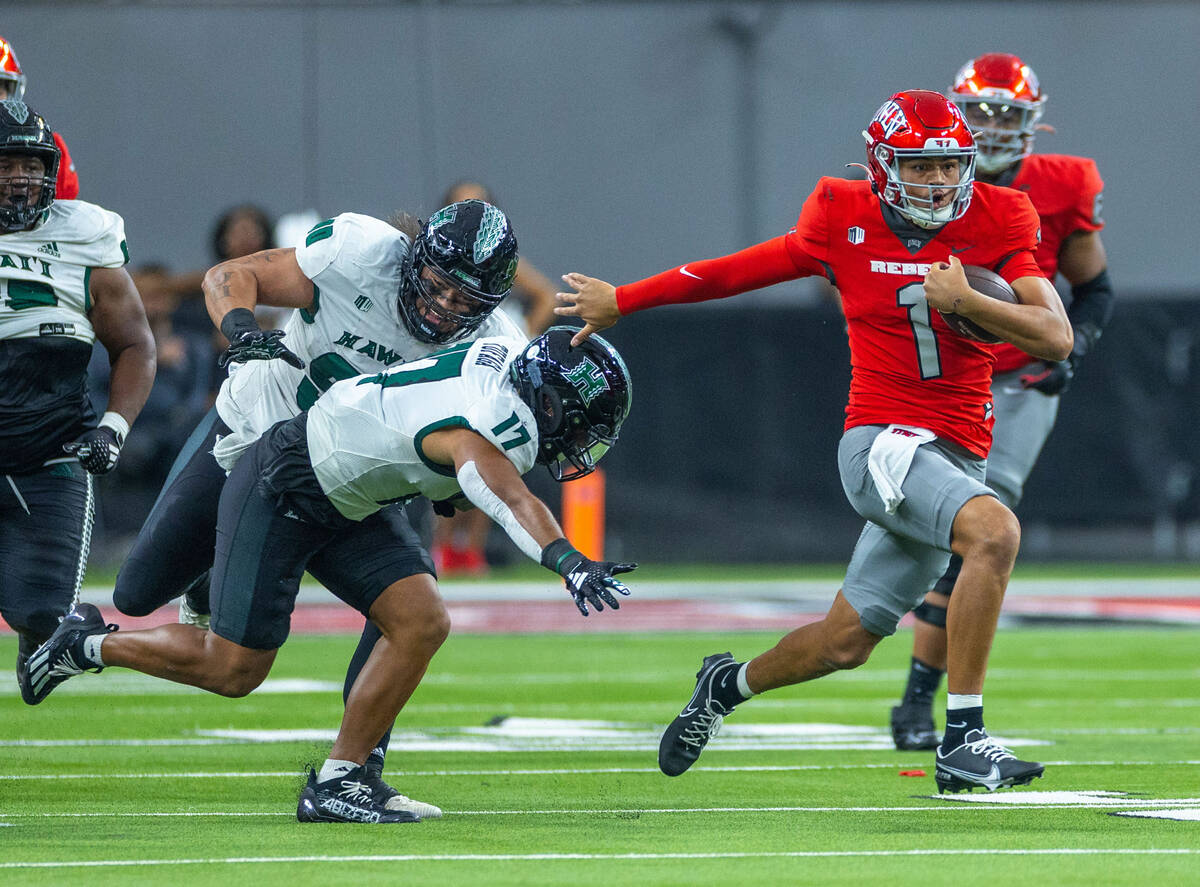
{"x": 588, "y": 380}
{"x": 492, "y": 228}
{"x": 18, "y": 111}
{"x": 443, "y": 216}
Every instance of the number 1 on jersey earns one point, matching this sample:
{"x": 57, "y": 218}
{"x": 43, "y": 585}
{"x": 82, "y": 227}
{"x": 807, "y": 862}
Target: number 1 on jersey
{"x": 912, "y": 297}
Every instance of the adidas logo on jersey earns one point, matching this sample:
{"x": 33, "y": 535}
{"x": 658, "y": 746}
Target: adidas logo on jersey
{"x": 362, "y": 303}
{"x": 50, "y": 249}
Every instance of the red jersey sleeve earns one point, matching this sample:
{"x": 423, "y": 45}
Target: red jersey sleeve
{"x": 1022, "y": 235}
{"x": 763, "y": 264}
{"x": 1085, "y": 213}
{"x": 67, "y": 185}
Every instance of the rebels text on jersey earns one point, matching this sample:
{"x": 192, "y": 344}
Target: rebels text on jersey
{"x": 1067, "y": 193}
{"x": 908, "y": 367}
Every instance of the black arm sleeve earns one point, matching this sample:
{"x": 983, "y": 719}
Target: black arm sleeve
{"x": 1091, "y": 308}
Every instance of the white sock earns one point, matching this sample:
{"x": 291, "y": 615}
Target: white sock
{"x": 333, "y": 768}
{"x": 91, "y": 648}
{"x": 743, "y": 687}
{"x": 963, "y": 700}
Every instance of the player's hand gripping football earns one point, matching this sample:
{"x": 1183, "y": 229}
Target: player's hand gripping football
{"x": 946, "y": 286}
{"x": 594, "y": 301}
{"x": 97, "y": 449}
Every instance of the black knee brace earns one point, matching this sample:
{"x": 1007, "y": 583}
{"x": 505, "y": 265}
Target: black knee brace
{"x": 931, "y": 613}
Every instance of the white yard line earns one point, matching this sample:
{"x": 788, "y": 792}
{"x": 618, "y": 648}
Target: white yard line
{"x": 543, "y": 857}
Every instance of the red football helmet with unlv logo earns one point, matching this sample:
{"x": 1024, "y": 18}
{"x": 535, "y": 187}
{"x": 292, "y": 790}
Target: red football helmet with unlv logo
{"x": 1002, "y": 100}
{"x": 10, "y": 70}
{"x": 919, "y": 123}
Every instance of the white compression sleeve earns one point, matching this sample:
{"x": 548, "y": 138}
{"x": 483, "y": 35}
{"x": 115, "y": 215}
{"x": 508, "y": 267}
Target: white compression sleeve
{"x": 483, "y": 497}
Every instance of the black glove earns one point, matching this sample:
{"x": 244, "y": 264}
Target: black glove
{"x": 97, "y": 449}
{"x": 248, "y": 342}
{"x": 1054, "y": 378}
{"x": 588, "y": 581}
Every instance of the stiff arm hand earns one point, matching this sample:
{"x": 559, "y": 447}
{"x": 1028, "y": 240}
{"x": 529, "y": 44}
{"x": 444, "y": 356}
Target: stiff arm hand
{"x": 593, "y": 301}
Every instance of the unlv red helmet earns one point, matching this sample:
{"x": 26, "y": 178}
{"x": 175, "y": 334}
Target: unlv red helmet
{"x": 1002, "y": 100}
{"x": 10, "y": 71}
{"x": 918, "y": 123}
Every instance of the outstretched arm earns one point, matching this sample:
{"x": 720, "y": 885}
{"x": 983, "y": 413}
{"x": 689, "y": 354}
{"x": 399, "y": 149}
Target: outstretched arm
{"x": 600, "y": 304}
{"x": 491, "y": 481}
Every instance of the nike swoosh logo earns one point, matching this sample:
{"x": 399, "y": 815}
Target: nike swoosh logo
{"x": 991, "y": 776}
{"x": 961, "y": 249}
{"x": 963, "y": 724}
{"x": 686, "y": 273}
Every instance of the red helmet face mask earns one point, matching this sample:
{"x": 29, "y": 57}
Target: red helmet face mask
{"x": 920, "y": 125}
{"x": 10, "y": 71}
{"x": 1002, "y": 101}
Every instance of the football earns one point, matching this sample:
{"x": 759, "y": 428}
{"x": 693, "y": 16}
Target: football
{"x": 990, "y": 284}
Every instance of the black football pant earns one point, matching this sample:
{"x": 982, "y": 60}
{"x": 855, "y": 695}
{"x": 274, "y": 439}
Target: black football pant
{"x": 45, "y": 533}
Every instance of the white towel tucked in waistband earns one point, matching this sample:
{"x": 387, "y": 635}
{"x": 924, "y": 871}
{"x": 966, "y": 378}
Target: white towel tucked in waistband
{"x": 891, "y": 455}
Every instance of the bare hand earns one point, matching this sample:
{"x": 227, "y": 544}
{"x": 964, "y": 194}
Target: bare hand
{"x": 593, "y": 300}
{"x": 946, "y": 286}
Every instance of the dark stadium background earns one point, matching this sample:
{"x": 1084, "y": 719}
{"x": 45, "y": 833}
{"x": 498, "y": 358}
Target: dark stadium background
{"x": 624, "y": 138}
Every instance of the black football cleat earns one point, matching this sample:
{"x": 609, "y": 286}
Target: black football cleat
{"x": 686, "y": 736}
{"x": 61, "y": 657}
{"x": 351, "y": 797}
{"x": 392, "y": 799}
{"x": 981, "y": 762}
{"x": 912, "y": 727}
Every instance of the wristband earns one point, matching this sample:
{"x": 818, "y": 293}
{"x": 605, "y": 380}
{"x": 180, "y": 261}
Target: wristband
{"x": 561, "y": 557}
{"x": 117, "y": 423}
{"x": 238, "y": 321}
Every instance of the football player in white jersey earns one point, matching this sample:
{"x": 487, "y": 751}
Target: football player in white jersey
{"x": 369, "y": 296}
{"x": 466, "y": 421}
{"x": 62, "y": 286}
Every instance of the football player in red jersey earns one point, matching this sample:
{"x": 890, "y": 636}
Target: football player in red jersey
{"x": 12, "y": 86}
{"x": 1002, "y": 101}
{"x": 918, "y": 424}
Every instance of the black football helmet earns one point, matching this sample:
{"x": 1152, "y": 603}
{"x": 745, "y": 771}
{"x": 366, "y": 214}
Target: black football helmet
{"x": 23, "y": 131}
{"x": 579, "y": 395}
{"x": 467, "y": 248}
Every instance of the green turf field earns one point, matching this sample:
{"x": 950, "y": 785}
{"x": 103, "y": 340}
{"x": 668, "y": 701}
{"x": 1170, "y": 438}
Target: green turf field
{"x": 118, "y": 779}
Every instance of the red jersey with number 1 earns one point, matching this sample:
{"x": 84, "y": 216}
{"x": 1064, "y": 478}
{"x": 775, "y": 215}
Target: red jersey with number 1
{"x": 908, "y": 367}
{"x": 1067, "y": 193}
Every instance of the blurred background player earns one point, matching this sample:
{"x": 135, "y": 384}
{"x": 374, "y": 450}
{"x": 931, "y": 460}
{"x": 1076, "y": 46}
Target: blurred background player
{"x": 918, "y": 424}
{"x": 62, "y": 271}
{"x": 12, "y": 86}
{"x": 1003, "y": 102}
{"x": 460, "y": 541}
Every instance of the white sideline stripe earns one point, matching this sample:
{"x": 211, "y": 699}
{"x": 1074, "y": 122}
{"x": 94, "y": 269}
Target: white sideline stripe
{"x": 554, "y": 771}
{"x": 538, "y": 857}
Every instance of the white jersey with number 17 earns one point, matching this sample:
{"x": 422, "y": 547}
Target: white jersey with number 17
{"x": 365, "y": 434}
